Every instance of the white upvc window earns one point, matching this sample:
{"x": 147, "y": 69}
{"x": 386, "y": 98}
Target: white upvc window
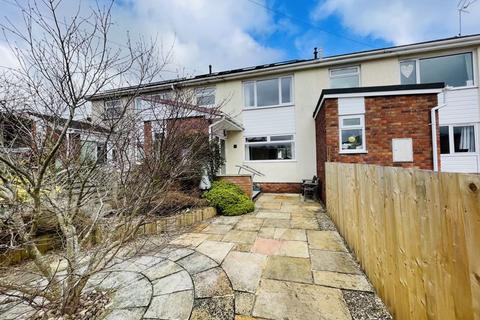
{"x": 112, "y": 109}
{"x": 205, "y": 96}
{"x": 345, "y": 77}
{"x": 270, "y": 148}
{"x": 458, "y": 139}
{"x": 455, "y": 70}
{"x": 352, "y": 134}
{"x": 271, "y": 92}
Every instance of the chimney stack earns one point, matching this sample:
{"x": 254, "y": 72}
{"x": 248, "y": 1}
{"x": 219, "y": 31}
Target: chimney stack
{"x": 210, "y": 69}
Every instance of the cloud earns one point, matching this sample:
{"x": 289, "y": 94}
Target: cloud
{"x": 400, "y": 21}
{"x": 224, "y": 33}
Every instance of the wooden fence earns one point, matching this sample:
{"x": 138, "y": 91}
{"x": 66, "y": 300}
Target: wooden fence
{"x": 416, "y": 234}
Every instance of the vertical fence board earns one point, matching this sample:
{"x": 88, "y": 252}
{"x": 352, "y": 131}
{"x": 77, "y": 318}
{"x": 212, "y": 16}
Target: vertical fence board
{"x": 416, "y": 234}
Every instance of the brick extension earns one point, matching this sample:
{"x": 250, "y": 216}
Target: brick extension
{"x": 386, "y": 117}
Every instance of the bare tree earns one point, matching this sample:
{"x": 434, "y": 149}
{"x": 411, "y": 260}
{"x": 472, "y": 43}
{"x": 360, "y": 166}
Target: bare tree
{"x": 50, "y": 179}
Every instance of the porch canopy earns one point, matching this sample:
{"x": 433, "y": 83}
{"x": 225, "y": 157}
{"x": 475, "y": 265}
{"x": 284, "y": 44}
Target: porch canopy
{"x": 221, "y": 126}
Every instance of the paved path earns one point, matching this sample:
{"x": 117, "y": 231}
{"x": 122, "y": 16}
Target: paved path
{"x": 272, "y": 264}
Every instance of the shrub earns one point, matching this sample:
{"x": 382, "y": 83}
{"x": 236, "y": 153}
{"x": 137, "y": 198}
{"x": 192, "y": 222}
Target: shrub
{"x": 229, "y": 199}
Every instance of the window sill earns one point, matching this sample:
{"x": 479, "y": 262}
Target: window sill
{"x": 353, "y": 152}
{"x": 269, "y": 107}
{"x": 460, "y": 154}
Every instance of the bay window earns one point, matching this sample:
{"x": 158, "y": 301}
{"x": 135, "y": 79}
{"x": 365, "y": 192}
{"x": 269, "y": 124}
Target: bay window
{"x": 458, "y": 139}
{"x": 454, "y": 70}
{"x": 348, "y": 77}
{"x": 268, "y": 92}
{"x": 280, "y": 147}
{"x": 352, "y": 134}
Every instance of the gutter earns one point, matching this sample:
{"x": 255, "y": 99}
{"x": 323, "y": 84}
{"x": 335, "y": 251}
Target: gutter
{"x": 433, "y": 116}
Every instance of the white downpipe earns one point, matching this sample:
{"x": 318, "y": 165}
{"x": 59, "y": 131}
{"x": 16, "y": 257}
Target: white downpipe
{"x": 433, "y": 116}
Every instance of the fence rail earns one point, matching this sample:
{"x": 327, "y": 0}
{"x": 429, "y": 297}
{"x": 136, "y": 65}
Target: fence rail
{"x": 416, "y": 234}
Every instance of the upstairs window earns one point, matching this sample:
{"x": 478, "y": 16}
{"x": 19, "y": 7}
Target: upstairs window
{"x": 205, "y": 96}
{"x": 268, "y": 92}
{"x": 269, "y": 148}
{"x": 113, "y": 109}
{"x": 454, "y": 70}
{"x": 348, "y": 77}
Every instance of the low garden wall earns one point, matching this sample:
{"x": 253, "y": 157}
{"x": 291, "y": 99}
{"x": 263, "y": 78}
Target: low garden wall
{"x": 244, "y": 181}
{"x": 166, "y": 224}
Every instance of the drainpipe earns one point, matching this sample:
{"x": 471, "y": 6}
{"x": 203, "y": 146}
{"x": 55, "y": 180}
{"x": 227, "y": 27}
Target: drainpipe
{"x": 433, "y": 116}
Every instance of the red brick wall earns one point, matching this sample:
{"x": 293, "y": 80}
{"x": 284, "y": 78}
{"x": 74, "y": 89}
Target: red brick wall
{"x": 243, "y": 181}
{"x": 386, "y": 117}
{"x": 280, "y": 187}
{"x": 147, "y": 137}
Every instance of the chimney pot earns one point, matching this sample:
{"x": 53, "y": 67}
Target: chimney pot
{"x": 210, "y": 69}
{"x": 315, "y": 53}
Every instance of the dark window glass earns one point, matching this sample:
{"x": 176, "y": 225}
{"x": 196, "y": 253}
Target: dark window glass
{"x": 352, "y": 139}
{"x": 256, "y": 139}
{"x": 101, "y": 153}
{"x": 444, "y": 140}
{"x": 267, "y": 93}
{"x": 281, "y": 151}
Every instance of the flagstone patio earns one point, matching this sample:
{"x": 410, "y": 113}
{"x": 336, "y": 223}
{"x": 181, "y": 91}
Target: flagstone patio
{"x": 275, "y": 263}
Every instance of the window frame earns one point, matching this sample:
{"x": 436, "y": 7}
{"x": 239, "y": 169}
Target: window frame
{"x": 342, "y": 127}
{"x": 255, "y": 93}
{"x": 432, "y": 56}
{"x": 269, "y": 142}
{"x": 451, "y": 139}
{"x": 200, "y": 92}
{"x": 358, "y": 73}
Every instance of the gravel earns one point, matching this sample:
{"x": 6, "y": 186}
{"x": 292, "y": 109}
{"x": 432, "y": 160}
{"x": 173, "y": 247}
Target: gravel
{"x": 325, "y": 222}
{"x": 365, "y": 305}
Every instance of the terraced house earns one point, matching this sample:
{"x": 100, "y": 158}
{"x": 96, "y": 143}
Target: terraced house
{"x": 282, "y": 121}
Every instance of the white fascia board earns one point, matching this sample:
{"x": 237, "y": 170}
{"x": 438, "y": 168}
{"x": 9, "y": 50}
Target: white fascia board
{"x": 375, "y": 94}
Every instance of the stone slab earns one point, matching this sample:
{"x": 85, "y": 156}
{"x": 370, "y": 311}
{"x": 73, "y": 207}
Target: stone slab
{"x": 244, "y": 270}
{"x": 217, "y": 229}
{"x": 289, "y": 300}
{"x": 226, "y": 220}
{"x": 132, "y": 296}
{"x": 267, "y": 246}
{"x": 211, "y": 283}
{"x": 215, "y": 249}
{"x": 298, "y": 249}
{"x": 276, "y": 223}
{"x": 288, "y": 269}
{"x": 179, "y": 281}
{"x": 176, "y": 305}
{"x": 333, "y": 261}
{"x": 161, "y": 270}
{"x": 304, "y": 223}
{"x": 175, "y": 253}
{"x": 196, "y": 263}
{"x": 325, "y": 240}
{"x": 239, "y": 236}
{"x": 273, "y": 215}
{"x": 290, "y": 234}
{"x": 190, "y": 239}
{"x": 342, "y": 280}
{"x": 249, "y": 224}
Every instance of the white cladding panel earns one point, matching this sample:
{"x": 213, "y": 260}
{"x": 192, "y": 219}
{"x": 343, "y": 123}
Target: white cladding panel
{"x": 460, "y": 163}
{"x": 462, "y": 106}
{"x": 269, "y": 121}
{"x": 351, "y": 106}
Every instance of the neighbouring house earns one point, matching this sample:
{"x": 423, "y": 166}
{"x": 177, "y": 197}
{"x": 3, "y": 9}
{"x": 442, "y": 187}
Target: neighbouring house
{"x": 22, "y": 133}
{"x": 268, "y": 130}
